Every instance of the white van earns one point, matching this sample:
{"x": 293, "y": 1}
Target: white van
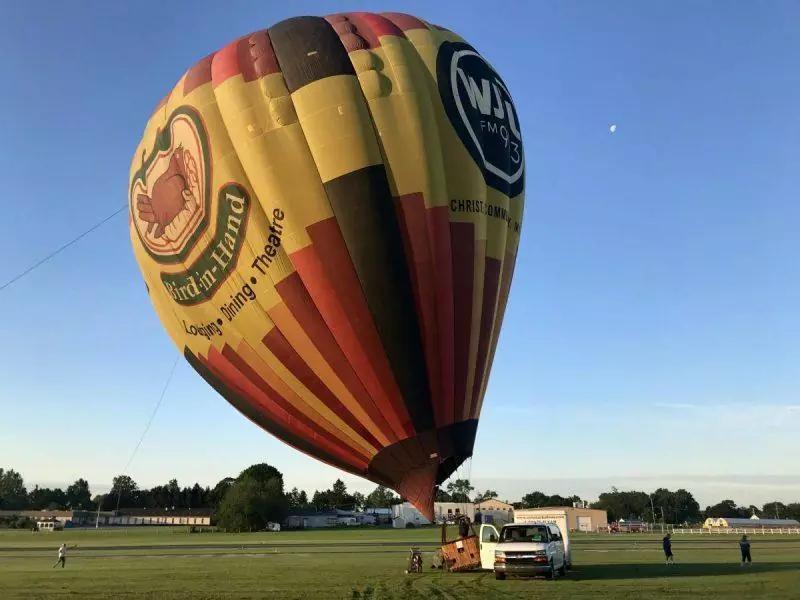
{"x": 552, "y": 516}
{"x": 536, "y": 548}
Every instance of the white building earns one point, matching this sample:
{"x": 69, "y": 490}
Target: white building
{"x": 403, "y": 514}
{"x": 443, "y": 512}
{"x": 446, "y": 512}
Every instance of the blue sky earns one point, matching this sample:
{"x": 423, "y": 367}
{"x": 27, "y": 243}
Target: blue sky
{"x": 653, "y": 331}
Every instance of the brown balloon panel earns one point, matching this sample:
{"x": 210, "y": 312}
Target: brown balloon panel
{"x": 327, "y": 214}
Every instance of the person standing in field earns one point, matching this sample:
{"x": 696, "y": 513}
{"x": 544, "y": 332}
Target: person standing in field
{"x": 666, "y": 543}
{"x": 62, "y": 556}
{"x": 744, "y": 546}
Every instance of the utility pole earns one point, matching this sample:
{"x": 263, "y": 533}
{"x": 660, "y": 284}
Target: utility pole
{"x": 652, "y": 510}
{"x": 100, "y": 499}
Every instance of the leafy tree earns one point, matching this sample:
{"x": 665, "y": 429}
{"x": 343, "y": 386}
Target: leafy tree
{"x": 775, "y": 510}
{"x": 321, "y": 500}
{"x": 727, "y": 508}
{"x": 442, "y": 496}
{"x": 124, "y": 493}
{"x": 336, "y": 497}
{"x": 99, "y": 500}
{"x": 174, "y": 494}
{"x": 158, "y": 497}
{"x": 624, "y": 505}
{"x": 47, "y": 499}
{"x": 487, "y": 495}
{"x": 13, "y": 495}
{"x": 793, "y": 511}
{"x": 251, "y": 503}
{"x": 753, "y": 510}
{"x": 672, "y": 507}
{"x": 79, "y": 496}
{"x": 380, "y": 497}
{"x": 219, "y": 491}
{"x": 359, "y": 501}
{"x": 261, "y": 472}
{"x": 339, "y": 495}
{"x": 196, "y": 496}
{"x": 297, "y": 498}
{"x": 459, "y": 490}
{"x": 686, "y": 508}
{"x": 535, "y": 499}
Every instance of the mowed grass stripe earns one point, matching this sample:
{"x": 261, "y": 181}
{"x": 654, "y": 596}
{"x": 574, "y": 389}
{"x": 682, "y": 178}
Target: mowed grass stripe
{"x": 343, "y": 565}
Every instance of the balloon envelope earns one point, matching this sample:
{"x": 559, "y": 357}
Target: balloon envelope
{"x": 327, "y": 215}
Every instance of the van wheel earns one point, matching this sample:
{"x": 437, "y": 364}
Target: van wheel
{"x": 562, "y": 571}
{"x": 551, "y": 574}
{"x": 499, "y": 576}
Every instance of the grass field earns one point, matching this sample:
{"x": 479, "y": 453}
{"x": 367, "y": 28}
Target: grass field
{"x": 369, "y": 564}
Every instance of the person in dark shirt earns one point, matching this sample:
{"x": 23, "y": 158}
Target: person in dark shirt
{"x": 667, "y": 545}
{"x": 463, "y": 527}
{"x": 744, "y": 546}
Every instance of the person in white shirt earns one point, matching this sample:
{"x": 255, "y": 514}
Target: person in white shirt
{"x": 62, "y": 555}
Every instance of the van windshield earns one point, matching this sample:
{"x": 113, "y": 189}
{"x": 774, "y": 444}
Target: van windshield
{"x": 531, "y": 533}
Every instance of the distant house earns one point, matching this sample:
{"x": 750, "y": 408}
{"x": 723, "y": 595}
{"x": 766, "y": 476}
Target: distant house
{"x": 493, "y": 504}
{"x": 49, "y": 525}
{"x": 494, "y": 511}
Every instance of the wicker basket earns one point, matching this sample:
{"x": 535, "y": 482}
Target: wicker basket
{"x": 462, "y": 554}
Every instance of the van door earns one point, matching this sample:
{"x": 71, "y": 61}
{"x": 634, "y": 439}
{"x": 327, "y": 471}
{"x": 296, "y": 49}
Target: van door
{"x": 488, "y": 543}
{"x": 559, "y": 556}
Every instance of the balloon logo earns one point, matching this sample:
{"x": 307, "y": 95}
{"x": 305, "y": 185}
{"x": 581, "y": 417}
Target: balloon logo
{"x": 327, "y": 215}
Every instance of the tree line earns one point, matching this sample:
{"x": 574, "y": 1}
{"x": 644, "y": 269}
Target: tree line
{"x": 125, "y": 493}
{"x": 257, "y": 496}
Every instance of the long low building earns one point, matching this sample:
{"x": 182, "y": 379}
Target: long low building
{"x": 312, "y": 518}
{"x": 753, "y": 522}
{"x": 444, "y": 512}
{"x": 578, "y": 519}
{"x": 145, "y": 516}
{"x": 124, "y": 517}
{"x": 73, "y": 517}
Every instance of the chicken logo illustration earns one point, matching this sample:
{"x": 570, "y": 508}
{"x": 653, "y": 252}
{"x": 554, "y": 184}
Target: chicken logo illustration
{"x": 169, "y": 196}
{"x": 172, "y": 194}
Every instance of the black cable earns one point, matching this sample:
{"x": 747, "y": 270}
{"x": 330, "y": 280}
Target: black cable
{"x": 149, "y": 423}
{"x": 64, "y": 247}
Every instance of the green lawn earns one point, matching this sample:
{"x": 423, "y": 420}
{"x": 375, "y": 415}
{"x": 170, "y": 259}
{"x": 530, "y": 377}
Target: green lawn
{"x": 167, "y": 564}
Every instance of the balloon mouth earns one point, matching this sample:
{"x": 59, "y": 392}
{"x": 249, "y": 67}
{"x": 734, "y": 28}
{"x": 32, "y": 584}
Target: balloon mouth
{"x": 416, "y": 465}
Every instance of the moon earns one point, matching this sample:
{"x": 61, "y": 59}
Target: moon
{"x": 613, "y": 128}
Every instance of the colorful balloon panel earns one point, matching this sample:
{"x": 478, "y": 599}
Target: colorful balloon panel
{"x": 327, "y": 215}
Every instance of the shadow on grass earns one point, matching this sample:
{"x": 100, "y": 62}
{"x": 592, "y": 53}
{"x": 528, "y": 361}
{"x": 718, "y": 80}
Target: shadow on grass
{"x": 652, "y": 571}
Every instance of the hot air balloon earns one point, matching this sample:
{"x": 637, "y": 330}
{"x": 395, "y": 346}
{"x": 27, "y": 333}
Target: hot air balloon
{"x": 326, "y": 214}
